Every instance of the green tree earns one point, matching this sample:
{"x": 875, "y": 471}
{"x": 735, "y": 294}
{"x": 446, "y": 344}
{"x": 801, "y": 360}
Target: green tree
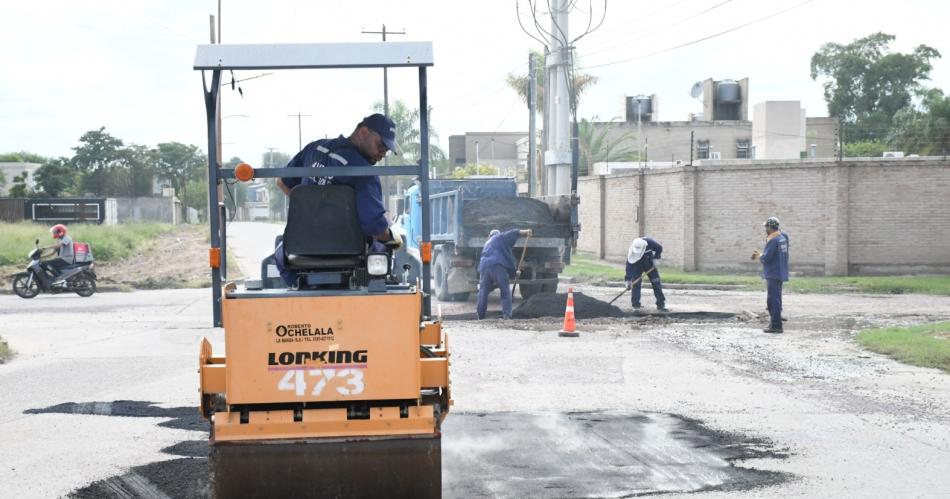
{"x": 21, "y": 157}
{"x": 195, "y": 195}
{"x": 471, "y": 169}
{"x": 866, "y": 85}
{"x": 596, "y": 145}
{"x": 97, "y": 158}
{"x": 139, "y": 163}
{"x": 235, "y": 193}
{"x": 180, "y": 164}
{"x": 924, "y": 130}
{"x": 56, "y": 177}
{"x": 519, "y": 82}
{"x": 865, "y": 149}
{"x": 408, "y": 136}
{"x": 19, "y": 189}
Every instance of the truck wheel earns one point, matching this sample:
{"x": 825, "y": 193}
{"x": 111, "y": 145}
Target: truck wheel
{"x": 441, "y": 274}
{"x": 529, "y": 290}
{"x": 549, "y": 288}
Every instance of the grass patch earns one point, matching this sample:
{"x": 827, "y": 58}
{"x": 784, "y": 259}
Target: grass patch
{"x": 5, "y": 352}
{"x": 925, "y": 346}
{"x": 109, "y": 242}
{"x": 586, "y": 267}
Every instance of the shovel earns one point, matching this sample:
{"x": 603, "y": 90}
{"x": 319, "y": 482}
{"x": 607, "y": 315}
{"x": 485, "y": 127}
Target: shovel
{"x": 638, "y": 279}
{"x": 521, "y": 261}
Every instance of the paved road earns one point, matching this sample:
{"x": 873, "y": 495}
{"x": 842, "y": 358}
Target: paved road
{"x": 632, "y": 406}
{"x": 250, "y": 243}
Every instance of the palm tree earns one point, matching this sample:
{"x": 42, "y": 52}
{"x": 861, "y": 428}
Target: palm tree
{"x": 595, "y": 146}
{"x": 519, "y": 83}
{"x": 408, "y": 136}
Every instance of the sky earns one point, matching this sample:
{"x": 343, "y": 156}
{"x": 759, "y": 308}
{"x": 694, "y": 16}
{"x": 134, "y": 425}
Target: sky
{"x": 69, "y": 67}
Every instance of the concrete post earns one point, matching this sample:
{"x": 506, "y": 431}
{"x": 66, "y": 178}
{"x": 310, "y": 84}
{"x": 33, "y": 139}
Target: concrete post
{"x": 689, "y": 178}
{"x": 602, "y": 184}
{"x": 836, "y": 229}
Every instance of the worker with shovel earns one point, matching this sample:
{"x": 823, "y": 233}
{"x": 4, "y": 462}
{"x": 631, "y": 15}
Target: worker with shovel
{"x": 644, "y": 257}
{"x": 496, "y": 266}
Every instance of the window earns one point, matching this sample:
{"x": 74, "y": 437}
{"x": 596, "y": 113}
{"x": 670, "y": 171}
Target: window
{"x": 742, "y": 149}
{"x": 702, "y": 149}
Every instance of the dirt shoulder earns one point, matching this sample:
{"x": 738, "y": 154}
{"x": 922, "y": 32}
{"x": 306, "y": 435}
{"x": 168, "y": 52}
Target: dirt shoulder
{"x": 176, "y": 259}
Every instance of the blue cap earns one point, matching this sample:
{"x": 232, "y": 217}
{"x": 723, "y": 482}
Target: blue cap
{"x": 385, "y": 127}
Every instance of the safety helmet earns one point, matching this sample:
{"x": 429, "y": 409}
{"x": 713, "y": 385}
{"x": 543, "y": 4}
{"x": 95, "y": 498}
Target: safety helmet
{"x": 771, "y": 223}
{"x": 58, "y": 231}
{"x": 494, "y": 232}
{"x": 637, "y": 247}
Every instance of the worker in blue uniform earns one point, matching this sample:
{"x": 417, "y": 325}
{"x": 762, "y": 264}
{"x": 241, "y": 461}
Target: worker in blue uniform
{"x": 774, "y": 259}
{"x": 644, "y": 255}
{"x": 496, "y": 266}
{"x": 372, "y": 138}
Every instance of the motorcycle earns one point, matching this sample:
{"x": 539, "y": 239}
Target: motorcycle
{"x": 79, "y": 277}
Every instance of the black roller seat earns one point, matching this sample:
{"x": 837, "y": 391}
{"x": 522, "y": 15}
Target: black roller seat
{"x": 323, "y": 229}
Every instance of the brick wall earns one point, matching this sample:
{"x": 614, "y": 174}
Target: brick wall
{"x": 842, "y": 217}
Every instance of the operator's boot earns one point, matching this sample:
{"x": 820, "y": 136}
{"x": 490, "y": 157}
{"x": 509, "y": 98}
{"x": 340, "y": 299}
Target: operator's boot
{"x": 661, "y": 307}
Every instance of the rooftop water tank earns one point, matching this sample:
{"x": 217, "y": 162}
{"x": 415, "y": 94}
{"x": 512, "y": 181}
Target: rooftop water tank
{"x": 728, "y": 91}
{"x": 640, "y": 106}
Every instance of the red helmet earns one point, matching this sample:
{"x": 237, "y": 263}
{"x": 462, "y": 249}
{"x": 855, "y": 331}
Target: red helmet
{"x": 58, "y": 231}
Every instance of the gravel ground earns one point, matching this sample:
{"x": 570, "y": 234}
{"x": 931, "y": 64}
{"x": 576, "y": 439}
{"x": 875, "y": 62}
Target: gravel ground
{"x": 103, "y": 398}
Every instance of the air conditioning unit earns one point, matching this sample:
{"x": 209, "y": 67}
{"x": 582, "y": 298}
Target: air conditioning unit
{"x": 715, "y": 155}
{"x": 893, "y": 154}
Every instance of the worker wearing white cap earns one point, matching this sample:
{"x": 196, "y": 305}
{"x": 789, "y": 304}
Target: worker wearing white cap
{"x": 644, "y": 256}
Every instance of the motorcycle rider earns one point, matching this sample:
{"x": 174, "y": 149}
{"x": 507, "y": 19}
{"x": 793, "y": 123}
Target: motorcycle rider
{"x": 64, "y": 249}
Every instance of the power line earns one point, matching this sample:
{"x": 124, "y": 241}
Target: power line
{"x": 693, "y": 42}
{"x": 643, "y": 34}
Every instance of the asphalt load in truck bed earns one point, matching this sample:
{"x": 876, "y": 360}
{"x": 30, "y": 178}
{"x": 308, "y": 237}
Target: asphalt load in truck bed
{"x": 480, "y": 216}
{"x": 553, "y": 304}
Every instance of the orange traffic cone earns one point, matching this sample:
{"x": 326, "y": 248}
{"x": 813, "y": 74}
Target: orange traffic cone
{"x": 568, "y": 329}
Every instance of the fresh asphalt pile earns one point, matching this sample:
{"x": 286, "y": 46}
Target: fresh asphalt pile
{"x": 553, "y": 304}
{"x": 480, "y": 216}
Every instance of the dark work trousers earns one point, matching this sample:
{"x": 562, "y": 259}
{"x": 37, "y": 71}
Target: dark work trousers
{"x": 774, "y": 302}
{"x": 493, "y": 277}
{"x": 654, "y": 277}
{"x": 56, "y": 265}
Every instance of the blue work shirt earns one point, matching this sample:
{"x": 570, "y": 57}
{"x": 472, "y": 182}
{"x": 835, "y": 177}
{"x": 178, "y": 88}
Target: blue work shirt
{"x": 775, "y": 258}
{"x": 341, "y": 152}
{"x": 497, "y": 251}
{"x": 645, "y": 263}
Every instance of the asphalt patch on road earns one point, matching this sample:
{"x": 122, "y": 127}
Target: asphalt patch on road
{"x": 596, "y": 454}
{"x": 509, "y": 454}
{"x": 181, "y": 418}
{"x": 553, "y": 305}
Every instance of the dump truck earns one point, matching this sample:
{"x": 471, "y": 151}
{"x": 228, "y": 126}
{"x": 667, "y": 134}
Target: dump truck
{"x": 465, "y": 211}
{"x": 338, "y": 384}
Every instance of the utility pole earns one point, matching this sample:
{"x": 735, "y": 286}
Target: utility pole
{"x": 532, "y": 127}
{"x": 557, "y": 157}
{"x": 387, "y": 181}
{"x": 385, "y": 73}
{"x": 299, "y": 132}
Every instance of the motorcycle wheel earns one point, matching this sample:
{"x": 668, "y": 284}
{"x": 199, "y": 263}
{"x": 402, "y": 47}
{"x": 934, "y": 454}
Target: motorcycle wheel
{"x": 83, "y": 284}
{"x": 24, "y": 288}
